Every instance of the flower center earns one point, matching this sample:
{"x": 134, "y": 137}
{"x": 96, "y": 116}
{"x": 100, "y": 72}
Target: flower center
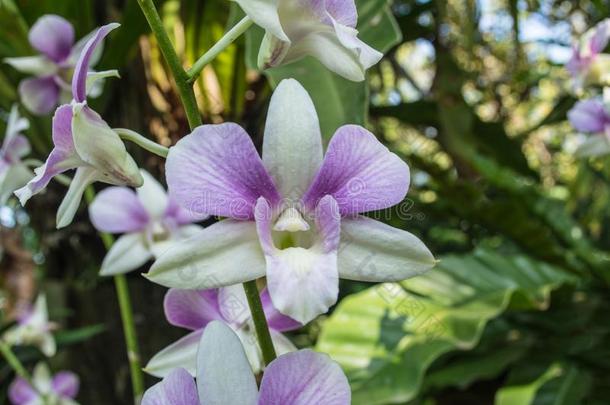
{"x": 291, "y": 220}
{"x": 291, "y": 229}
{"x": 158, "y": 232}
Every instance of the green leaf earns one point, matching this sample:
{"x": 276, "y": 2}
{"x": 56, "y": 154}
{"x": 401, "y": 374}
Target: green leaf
{"x": 560, "y": 384}
{"x": 525, "y": 394}
{"x": 338, "y": 101}
{"x": 70, "y": 337}
{"x": 386, "y": 337}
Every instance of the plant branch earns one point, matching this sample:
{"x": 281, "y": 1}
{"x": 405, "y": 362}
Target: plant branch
{"x": 185, "y": 90}
{"x": 228, "y": 38}
{"x": 142, "y": 141}
{"x": 260, "y": 321}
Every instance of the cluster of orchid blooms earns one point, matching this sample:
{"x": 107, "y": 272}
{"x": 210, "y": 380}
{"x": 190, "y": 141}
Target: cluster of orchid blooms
{"x": 590, "y": 71}
{"x": 291, "y": 217}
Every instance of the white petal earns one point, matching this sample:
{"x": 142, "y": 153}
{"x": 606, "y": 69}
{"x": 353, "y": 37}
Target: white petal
{"x": 373, "y": 251}
{"x": 326, "y": 47}
{"x": 292, "y": 145}
{"x": 224, "y": 375}
{"x": 69, "y": 205}
{"x": 233, "y": 305}
{"x": 12, "y": 179}
{"x": 595, "y": 145}
{"x": 33, "y": 65}
{"x": 181, "y": 353}
{"x": 95, "y": 81}
{"x": 177, "y": 237}
{"x": 303, "y": 283}
{"x": 127, "y": 253}
{"x": 215, "y": 257}
{"x": 152, "y": 195}
{"x": 47, "y": 345}
{"x": 265, "y": 14}
{"x": 41, "y": 378}
{"x": 251, "y": 348}
{"x": 281, "y": 343}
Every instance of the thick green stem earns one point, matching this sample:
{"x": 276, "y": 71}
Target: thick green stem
{"x": 129, "y": 329}
{"x": 185, "y": 90}
{"x": 260, "y": 322}
{"x": 142, "y": 142}
{"x": 218, "y": 47}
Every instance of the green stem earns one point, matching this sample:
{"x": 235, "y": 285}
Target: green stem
{"x": 14, "y": 362}
{"x": 218, "y": 47}
{"x": 260, "y": 322}
{"x": 129, "y": 329}
{"x": 19, "y": 369}
{"x": 131, "y": 339}
{"x": 142, "y": 141}
{"x": 185, "y": 90}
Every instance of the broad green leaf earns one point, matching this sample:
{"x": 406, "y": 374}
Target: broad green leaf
{"x": 338, "y": 101}
{"x": 387, "y": 336}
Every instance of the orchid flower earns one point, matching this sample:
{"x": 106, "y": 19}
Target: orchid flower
{"x": 53, "y": 37}
{"x": 194, "y": 310}
{"x": 588, "y": 63}
{"x": 13, "y": 172}
{"x": 149, "y": 219}
{"x": 324, "y": 29}
{"x": 292, "y": 216}
{"x": 60, "y": 389}
{"x": 83, "y": 141}
{"x": 33, "y": 329}
{"x": 592, "y": 116}
{"x": 224, "y": 377}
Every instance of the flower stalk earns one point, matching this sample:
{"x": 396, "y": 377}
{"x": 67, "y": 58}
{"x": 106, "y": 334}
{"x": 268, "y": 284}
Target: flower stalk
{"x": 187, "y": 96}
{"x": 125, "y": 308}
{"x": 228, "y": 38}
{"x": 144, "y": 143}
{"x": 185, "y": 90}
{"x": 260, "y": 322}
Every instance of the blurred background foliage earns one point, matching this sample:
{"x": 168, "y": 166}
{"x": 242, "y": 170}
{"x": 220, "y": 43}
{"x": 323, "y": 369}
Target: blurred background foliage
{"x": 473, "y": 95}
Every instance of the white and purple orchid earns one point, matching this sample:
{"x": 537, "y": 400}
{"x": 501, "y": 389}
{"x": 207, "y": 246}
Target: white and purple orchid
{"x": 588, "y": 63}
{"x": 13, "y": 172}
{"x": 224, "y": 377}
{"x": 292, "y": 216}
{"x": 324, "y": 29}
{"x": 59, "y": 389}
{"x": 53, "y": 37}
{"x": 195, "y": 309}
{"x": 33, "y": 328}
{"x": 149, "y": 219}
{"x": 83, "y": 141}
{"x": 592, "y": 117}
